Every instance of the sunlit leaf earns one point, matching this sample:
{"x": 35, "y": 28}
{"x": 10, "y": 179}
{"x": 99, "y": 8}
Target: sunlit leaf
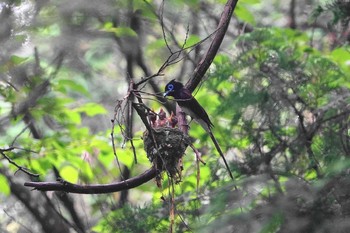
{"x": 342, "y": 56}
{"x": 157, "y": 44}
{"x": 311, "y": 175}
{"x": 192, "y": 40}
{"x": 244, "y": 14}
{"x": 91, "y": 109}
{"x": 120, "y": 31}
{"x": 4, "y": 186}
{"x": 68, "y": 84}
{"x": 73, "y": 116}
{"x": 250, "y": 1}
{"x": 125, "y": 157}
{"x": 16, "y": 60}
{"x": 69, "y": 173}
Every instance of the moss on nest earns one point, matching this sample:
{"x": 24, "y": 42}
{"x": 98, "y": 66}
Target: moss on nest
{"x": 171, "y": 144}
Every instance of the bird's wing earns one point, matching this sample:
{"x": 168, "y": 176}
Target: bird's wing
{"x": 191, "y": 107}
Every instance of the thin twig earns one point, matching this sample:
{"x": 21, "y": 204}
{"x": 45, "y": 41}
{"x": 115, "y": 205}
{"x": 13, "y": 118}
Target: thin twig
{"x": 19, "y": 134}
{"x": 20, "y": 168}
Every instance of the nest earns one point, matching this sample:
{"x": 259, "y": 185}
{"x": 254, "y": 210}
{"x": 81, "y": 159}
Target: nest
{"x": 165, "y": 148}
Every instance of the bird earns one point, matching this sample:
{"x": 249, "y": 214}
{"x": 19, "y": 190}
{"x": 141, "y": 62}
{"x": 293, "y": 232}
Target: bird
{"x": 152, "y": 116}
{"x": 172, "y": 120}
{"x": 191, "y": 107}
{"x": 163, "y": 121}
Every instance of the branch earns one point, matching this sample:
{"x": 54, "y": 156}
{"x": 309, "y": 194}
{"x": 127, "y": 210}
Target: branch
{"x": 292, "y": 21}
{"x": 94, "y": 188}
{"x": 205, "y": 63}
{"x": 20, "y": 168}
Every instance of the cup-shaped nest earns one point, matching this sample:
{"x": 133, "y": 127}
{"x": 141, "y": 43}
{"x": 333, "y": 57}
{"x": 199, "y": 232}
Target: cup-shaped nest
{"x": 165, "y": 147}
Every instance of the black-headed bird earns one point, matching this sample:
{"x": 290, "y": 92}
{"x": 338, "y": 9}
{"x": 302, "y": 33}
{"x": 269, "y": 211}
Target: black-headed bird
{"x": 191, "y": 107}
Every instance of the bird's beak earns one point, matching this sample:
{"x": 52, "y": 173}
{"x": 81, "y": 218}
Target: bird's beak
{"x": 166, "y": 93}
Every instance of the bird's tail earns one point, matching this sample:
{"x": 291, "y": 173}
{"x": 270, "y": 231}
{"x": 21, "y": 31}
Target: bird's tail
{"x": 220, "y": 152}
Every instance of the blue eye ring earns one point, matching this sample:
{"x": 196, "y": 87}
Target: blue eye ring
{"x": 170, "y": 87}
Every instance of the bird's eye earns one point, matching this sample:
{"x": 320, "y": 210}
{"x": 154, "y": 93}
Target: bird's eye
{"x": 170, "y": 87}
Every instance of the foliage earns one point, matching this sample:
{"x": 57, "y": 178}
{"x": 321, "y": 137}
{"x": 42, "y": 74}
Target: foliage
{"x": 290, "y": 103}
{"x": 134, "y": 219}
{"x": 340, "y": 10}
{"x": 278, "y": 97}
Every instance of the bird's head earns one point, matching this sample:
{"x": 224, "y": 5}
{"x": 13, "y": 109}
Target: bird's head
{"x": 172, "y": 87}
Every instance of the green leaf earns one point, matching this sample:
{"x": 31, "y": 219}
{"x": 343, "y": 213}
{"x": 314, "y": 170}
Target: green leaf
{"x": 98, "y": 59}
{"x": 106, "y": 158}
{"x": 74, "y": 116}
{"x": 156, "y": 45}
{"x": 244, "y": 14}
{"x": 4, "y": 186}
{"x": 119, "y": 31}
{"x": 16, "y": 60}
{"x": 98, "y": 228}
{"x": 192, "y": 40}
{"x": 12, "y": 62}
{"x": 40, "y": 166}
{"x": 311, "y": 175}
{"x": 342, "y": 57}
{"x": 91, "y": 109}
{"x": 66, "y": 84}
{"x": 86, "y": 170}
{"x": 51, "y": 30}
{"x": 69, "y": 173}
{"x": 250, "y": 1}
{"x": 126, "y": 157}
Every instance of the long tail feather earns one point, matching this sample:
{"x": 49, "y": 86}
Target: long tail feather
{"x": 220, "y": 152}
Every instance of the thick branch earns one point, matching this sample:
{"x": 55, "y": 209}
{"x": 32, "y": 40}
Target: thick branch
{"x": 96, "y": 188}
{"x": 205, "y": 63}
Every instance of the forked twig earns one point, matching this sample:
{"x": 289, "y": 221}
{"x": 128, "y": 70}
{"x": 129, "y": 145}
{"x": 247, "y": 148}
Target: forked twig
{"x": 20, "y": 168}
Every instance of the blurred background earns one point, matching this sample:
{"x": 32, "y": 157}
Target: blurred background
{"x": 277, "y": 93}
